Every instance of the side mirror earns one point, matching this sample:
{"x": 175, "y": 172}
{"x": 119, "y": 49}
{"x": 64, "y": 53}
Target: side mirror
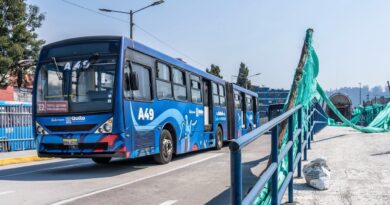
{"x": 134, "y": 81}
{"x": 127, "y": 82}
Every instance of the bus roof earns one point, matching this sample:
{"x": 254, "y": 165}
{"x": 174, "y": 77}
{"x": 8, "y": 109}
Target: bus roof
{"x": 181, "y": 64}
{"x": 151, "y": 52}
{"x": 241, "y": 89}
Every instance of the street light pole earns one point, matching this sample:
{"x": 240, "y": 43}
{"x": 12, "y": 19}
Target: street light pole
{"x": 131, "y": 14}
{"x": 131, "y": 24}
{"x": 246, "y": 84}
{"x": 360, "y": 93}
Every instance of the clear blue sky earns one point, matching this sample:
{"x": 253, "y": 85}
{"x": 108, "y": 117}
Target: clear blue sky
{"x": 352, "y": 38}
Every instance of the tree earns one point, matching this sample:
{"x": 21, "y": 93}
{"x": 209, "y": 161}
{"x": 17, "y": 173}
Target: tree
{"x": 215, "y": 70}
{"x": 242, "y": 77}
{"x": 18, "y": 39}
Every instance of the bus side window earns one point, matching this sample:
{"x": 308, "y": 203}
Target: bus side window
{"x": 237, "y": 100}
{"x": 144, "y": 88}
{"x": 196, "y": 96}
{"x": 249, "y": 106}
{"x": 179, "y": 85}
{"x": 215, "y": 94}
{"x": 222, "y": 100}
{"x": 163, "y": 82}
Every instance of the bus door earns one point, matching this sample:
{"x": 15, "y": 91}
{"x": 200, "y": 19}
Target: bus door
{"x": 238, "y": 114}
{"x": 139, "y": 109}
{"x": 243, "y": 112}
{"x": 256, "y": 117}
{"x": 207, "y": 107}
{"x": 249, "y": 113}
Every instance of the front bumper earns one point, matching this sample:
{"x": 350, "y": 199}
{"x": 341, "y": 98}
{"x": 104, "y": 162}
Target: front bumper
{"x": 87, "y": 146}
{"x": 83, "y": 154}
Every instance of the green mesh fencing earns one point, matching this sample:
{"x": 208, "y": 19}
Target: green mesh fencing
{"x": 360, "y": 114}
{"x": 308, "y": 90}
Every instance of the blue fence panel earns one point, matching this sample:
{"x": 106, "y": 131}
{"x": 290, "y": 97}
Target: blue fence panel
{"x": 315, "y": 119}
{"x": 16, "y": 126}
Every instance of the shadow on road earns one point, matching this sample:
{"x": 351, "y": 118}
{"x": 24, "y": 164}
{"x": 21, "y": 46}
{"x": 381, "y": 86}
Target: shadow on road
{"x": 80, "y": 169}
{"x": 381, "y": 153}
{"x": 249, "y": 180}
{"x": 329, "y": 138}
{"x": 302, "y": 187}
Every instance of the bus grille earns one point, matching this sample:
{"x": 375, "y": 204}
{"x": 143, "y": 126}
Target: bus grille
{"x": 97, "y": 145}
{"x": 71, "y": 128}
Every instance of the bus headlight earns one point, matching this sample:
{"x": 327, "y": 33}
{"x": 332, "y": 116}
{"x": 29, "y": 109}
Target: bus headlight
{"x": 106, "y": 127}
{"x": 40, "y": 130}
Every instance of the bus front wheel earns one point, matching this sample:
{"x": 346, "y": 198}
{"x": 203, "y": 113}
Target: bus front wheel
{"x": 102, "y": 160}
{"x": 218, "y": 138}
{"x": 166, "y": 148}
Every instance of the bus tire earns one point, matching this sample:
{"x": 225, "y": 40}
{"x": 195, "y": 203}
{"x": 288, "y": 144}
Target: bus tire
{"x": 219, "y": 138}
{"x": 101, "y": 160}
{"x": 166, "y": 148}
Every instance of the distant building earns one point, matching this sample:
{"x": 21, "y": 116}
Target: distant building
{"x": 269, "y": 96}
{"x": 377, "y": 100}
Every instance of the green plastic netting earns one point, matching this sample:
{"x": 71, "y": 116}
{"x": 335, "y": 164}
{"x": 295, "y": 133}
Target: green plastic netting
{"x": 308, "y": 90}
{"x": 360, "y": 115}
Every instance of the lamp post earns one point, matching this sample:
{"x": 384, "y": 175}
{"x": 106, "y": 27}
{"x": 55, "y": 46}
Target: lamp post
{"x": 131, "y": 13}
{"x": 360, "y": 93}
{"x": 246, "y": 84}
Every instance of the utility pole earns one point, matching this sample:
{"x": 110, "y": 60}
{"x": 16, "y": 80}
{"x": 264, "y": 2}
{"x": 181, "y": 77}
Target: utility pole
{"x": 360, "y": 93}
{"x": 131, "y": 14}
{"x": 388, "y": 85}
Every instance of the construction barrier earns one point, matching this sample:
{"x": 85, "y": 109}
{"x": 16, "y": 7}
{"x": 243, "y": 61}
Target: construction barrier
{"x": 16, "y": 126}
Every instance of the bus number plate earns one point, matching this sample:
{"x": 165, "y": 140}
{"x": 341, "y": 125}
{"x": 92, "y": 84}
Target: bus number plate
{"x": 70, "y": 142}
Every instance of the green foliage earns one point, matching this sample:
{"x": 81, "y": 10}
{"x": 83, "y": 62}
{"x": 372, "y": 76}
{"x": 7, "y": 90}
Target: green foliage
{"x": 18, "y": 39}
{"x": 215, "y": 70}
{"x": 242, "y": 77}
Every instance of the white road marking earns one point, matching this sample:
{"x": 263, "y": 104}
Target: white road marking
{"x": 169, "y": 202}
{"x": 6, "y": 192}
{"x": 45, "y": 169}
{"x": 134, "y": 181}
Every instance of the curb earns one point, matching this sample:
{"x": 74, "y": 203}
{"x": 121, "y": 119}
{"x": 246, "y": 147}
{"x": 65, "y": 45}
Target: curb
{"x": 22, "y": 159}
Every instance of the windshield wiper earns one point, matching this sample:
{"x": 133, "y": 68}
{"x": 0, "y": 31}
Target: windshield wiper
{"x": 57, "y": 69}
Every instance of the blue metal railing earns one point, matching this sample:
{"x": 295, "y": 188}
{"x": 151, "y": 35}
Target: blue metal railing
{"x": 15, "y": 126}
{"x": 315, "y": 119}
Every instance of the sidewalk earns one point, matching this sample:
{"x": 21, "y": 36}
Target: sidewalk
{"x": 17, "y": 157}
{"x": 360, "y": 168}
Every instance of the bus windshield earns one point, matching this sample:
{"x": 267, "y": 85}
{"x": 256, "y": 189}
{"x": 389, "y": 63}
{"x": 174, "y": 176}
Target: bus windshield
{"x": 76, "y": 85}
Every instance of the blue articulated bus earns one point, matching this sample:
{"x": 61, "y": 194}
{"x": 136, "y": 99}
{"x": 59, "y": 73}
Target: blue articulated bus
{"x": 107, "y": 96}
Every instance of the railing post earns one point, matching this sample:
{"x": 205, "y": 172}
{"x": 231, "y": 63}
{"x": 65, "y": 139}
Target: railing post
{"x": 305, "y": 138}
{"x": 300, "y": 141}
{"x": 312, "y": 123}
{"x": 291, "y": 158}
{"x": 309, "y": 129}
{"x": 236, "y": 177}
{"x": 274, "y": 155}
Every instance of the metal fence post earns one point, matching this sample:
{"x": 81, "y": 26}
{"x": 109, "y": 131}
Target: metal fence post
{"x": 308, "y": 129}
{"x": 300, "y": 141}
{"x": 236, "y": 177}
{"x": 291, "y": 158}
{"x": 312, "y": 123}
{"x": 274, "y": 155}
{"x": 305, "y": 138}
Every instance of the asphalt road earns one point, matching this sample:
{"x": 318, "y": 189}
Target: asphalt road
{"x": 195, "y": 178}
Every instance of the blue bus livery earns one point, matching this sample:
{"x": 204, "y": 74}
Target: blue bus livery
{"x": 103, "y": 97}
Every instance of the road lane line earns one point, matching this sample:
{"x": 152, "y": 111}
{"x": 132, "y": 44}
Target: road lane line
{"x": 6, "y": 192}
{"x": 169, "y": 202}
{"x": 45, "y": 169}
{"x": 134, "y": 181}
